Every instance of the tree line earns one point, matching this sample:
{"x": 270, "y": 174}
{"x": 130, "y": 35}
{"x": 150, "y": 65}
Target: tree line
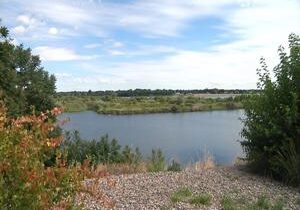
{"x": 157, "y": 92}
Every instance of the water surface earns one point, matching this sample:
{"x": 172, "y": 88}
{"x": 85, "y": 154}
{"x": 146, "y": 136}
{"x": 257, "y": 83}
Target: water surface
{"x": 183, "y": 136}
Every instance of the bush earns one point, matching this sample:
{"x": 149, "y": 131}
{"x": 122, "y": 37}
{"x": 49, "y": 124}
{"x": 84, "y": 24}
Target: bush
{"x": 272, "y": 125}
{"x": 99, "y": 151}
{"x": 174, "y": 166}
{"x": 156, "y": 161}
{"x": 25, "y": 182}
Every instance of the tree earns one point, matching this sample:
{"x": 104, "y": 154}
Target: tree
{"x": 24, "y": 84}
{"x": 272, "y": 124}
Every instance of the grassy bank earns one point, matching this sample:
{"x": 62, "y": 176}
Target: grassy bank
{"x": 141, "y": 105}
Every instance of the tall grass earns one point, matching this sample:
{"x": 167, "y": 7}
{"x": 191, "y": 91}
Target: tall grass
{"x": 289, "y": 161}
{"x": 109, "y": 154}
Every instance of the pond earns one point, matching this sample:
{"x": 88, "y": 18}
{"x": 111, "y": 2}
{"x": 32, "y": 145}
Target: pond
{"x": 182, "y": 136}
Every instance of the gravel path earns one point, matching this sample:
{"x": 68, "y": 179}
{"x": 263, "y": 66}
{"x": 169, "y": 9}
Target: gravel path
{"x": 153, "y": 190}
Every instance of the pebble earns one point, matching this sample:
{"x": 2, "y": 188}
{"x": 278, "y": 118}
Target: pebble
{"x": 153, "y": 190}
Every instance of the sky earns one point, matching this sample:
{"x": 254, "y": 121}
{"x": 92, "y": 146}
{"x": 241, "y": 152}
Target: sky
{"x": 153, "y": 44}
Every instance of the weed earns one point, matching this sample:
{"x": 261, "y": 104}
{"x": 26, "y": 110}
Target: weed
{"x": 181, "y": 195}
{"x": 228, "y": 203}
{"x": 156, "y": 161}
{"x": 174, "y": 166}
{"x": 201, "y": 199}
{"x": 263, "y": 203}
{"x": 278, "y": 205}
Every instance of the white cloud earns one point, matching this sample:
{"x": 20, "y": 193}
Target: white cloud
{"x": 26, "y": 20}
{"x": 150, "y": 17}
{"x": 117, "y": 45}
{"x": 19, "y": 29}
{"x": 252, "y": 28}
{"x": 92, "y": 46}
{"x": 66, "y": 82}
{"x": 60, "y": 54}
{"x": 115, "y": 52}
{"x": 144, "y": 50}
{"x": 53, "y": 31}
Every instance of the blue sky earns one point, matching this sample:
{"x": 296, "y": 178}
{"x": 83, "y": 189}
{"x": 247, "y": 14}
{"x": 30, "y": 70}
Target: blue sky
{"x": 106, "y": 44}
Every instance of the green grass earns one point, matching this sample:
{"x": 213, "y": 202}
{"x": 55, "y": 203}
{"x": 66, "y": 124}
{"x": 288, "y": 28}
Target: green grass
{"x": 174, "y": 166}
{"x": 278, "y": 205}
{"x": 181, "y": 194}
{"x": 184, "y": 194}
{"x": 262, "y": 203}
{"x": 228, "y": 203}
{"x": 201, "y": 199}
{"x": 140, "y": 105}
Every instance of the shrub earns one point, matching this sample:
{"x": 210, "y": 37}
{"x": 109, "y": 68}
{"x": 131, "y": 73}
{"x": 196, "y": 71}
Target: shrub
{"x": 130, "y": 157}
{"x": 99, "y": 151}
{"x": 174, "y": 166}
{"x": 272, "y": 125}
{"x": 25, "y": 182}
{"x": 156, "y": 161}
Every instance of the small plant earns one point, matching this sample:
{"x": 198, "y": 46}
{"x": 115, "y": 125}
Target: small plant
{"x": 174, "y": 166}
{"x": 228, "y": 203}
{"x": 278, "y": 205}
{"x": 181, "y": 194}
{"x": 201, "y": 199}
{"x": 157, "y": 161}
{"x": 262, "y": 203}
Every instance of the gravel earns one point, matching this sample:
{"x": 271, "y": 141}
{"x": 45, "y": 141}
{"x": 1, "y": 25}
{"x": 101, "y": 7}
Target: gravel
{"x": 153, "y": 190}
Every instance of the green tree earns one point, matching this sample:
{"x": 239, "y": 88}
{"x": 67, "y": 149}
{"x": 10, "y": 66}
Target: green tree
{"x": 272, "y": 125}
{"x": 24, "y": 84}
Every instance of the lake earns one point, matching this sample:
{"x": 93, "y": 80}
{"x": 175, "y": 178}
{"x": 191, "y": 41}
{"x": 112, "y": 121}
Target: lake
{"x": 182, "y": 136}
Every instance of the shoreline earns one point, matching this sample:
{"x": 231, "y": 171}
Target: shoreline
{"x": 148, "y": 113}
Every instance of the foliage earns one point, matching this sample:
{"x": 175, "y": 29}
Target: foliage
{"x": 131, "y": 157}
{"x": 181, "y": 195}
{"x": 99, "y": 151}
{"x": 227, "y": 203}
{"x": 262, "y": 203}
{"x": 201, "y": 199}
{"x": 174, "y": 166}
{"x": 25, "y": 182}
{"x": 108, "y": 152}
{"x": 272, "y": 125}
{"x": 185, "y": 194}
{"x": 24, "y": 84}
{"x": 139, "y": 105}
{"x": 156, "y": 161}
